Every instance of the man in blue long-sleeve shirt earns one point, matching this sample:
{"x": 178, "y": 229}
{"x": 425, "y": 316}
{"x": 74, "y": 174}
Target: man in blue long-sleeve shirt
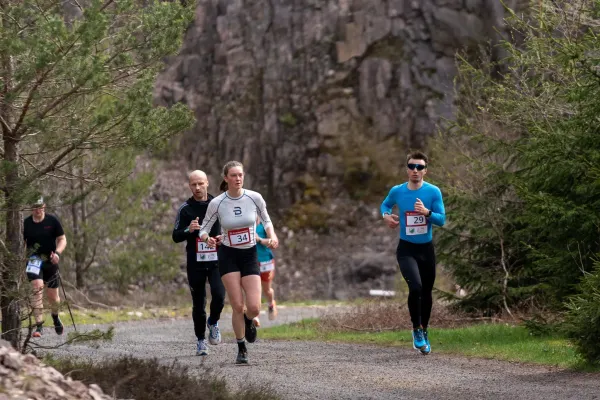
{"x": 420, "y": 206}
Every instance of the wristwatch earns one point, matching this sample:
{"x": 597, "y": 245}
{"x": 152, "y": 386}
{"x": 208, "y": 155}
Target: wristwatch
{"x": 429, "y": 213}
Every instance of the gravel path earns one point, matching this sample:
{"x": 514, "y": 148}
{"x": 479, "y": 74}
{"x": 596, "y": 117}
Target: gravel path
{"x": 313, "y": 370}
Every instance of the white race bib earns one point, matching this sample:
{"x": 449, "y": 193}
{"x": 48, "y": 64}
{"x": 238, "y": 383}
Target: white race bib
{"x": 34, "y": 265}
{"x": 416, "y": 224}
{"x": 266, "y": 266}
{"x": 239, "y": 237}
{"x": 205, "y": 253}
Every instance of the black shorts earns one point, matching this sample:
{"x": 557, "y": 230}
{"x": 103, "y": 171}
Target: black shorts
{"x": 244, "y": 261}
{"x": 48, "y": 273}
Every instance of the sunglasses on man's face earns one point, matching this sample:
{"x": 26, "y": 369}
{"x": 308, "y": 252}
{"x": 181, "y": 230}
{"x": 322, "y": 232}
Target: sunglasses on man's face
{"x": 418, "y": 167}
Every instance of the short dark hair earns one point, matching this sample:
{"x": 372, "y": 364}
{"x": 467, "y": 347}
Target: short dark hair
{"x": 417, "y": 155}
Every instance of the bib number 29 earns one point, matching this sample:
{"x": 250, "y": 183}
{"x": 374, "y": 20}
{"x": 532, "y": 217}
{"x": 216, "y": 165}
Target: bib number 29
{"x": 416, "y": 224}
{"x": 413, "y": 220}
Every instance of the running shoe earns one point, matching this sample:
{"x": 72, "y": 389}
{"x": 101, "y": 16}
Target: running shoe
{"x": 250, "y": 329}
{"x": 58, "y": 326}
{"x": 418, "y": 339}
{"x": 39, "y": 331}
{"x": 202, "y": 348}
{"x": 214, "y": 333}
{"x": 272, "y": 311}
{"x": 427, "y": 349}
{"x": 256, "y": 322}
{"x": 242, "y": 357}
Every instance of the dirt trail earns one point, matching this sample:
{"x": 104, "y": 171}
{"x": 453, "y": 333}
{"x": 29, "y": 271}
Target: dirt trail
{"x": 313, "y": 370}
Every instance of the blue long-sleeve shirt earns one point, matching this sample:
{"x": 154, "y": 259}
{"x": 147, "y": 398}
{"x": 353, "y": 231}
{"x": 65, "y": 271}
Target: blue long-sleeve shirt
{"x": 414, "y": 227}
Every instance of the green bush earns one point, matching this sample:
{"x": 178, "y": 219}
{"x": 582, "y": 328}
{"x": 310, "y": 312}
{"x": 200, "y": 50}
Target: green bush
{"x": 582, "y": 324}
{"x": 522, "y": 187}
{"x": 132, "y": 378}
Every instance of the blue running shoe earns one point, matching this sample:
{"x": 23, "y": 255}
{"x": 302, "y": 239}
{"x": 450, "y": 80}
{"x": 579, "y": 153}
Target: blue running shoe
{"x": 418, "y": 339}
{"x": 214, "y": 334}
{"x": 427, "y": 349}
{"x": 202, "y": 348}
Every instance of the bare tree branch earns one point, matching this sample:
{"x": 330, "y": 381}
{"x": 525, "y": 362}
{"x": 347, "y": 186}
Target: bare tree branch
{"x": 89, "y": 263}
{"x": 94, "y": 303}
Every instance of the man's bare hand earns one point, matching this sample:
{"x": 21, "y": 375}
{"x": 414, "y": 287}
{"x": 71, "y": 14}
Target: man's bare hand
{"x": 391, "y": 220}
{"x": 420, "y": 208}
{"x": 194, "y": 225}
{"x": 54, "y": 258}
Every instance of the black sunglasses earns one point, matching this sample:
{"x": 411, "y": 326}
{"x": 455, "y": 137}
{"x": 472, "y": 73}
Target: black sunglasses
{"x": 418, "y": 167}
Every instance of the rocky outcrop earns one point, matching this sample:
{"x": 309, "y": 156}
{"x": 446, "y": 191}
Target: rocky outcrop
{"x": 23, "y": 377}
{"x": 281, "y": 84}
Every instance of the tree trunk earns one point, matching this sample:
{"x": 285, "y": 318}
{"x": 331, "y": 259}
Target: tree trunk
{"x": 12, "y": 263}
{"x": 76, "y": 234}
{"x": 78, "y": 216}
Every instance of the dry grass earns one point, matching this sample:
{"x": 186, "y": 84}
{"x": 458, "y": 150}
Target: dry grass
{"x": 131, "y": 378}
{"x": 384, "y": 315}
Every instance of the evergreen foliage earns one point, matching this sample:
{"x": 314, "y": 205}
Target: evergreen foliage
{"x": 77, "y": 81}
{"x": 523, "y": 190}
{"x": 583, "y": 317}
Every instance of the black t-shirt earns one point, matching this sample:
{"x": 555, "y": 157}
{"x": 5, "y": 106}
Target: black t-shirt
{"x": 41, "y": 236}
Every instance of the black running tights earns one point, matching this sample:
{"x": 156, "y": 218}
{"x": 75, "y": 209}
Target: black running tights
{"x": 197, "y": 277}
{"x": 417, "y": 265}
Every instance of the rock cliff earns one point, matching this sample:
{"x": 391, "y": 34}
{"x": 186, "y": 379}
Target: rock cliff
{"x": 287, "y": 86}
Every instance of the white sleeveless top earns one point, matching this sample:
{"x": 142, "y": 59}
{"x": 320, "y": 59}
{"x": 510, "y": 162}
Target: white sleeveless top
{"x": 237, "y": 217}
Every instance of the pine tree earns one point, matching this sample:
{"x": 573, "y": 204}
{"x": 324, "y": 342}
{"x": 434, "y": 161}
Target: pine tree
{"x": 526, "y": 199}
{"x": 75, "y": 81}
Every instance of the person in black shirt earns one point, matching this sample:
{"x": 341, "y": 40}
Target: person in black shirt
{"x": 45, "y": 241}
{"x": 202, "y": 262}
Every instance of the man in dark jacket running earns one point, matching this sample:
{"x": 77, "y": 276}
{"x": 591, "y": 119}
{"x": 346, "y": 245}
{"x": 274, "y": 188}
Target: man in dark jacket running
{"x": 202, "y": 264}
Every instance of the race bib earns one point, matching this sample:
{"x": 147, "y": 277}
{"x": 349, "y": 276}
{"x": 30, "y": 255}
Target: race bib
{"x": 239, "y": 237}
{"x": 34, "y": 265}
{"x": 266, "y": 266}
{"x": 205, "y": 253}
{"x": 416, "y": 224}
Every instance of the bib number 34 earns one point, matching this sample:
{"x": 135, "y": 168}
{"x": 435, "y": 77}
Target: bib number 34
{"x": 239, "y": 237}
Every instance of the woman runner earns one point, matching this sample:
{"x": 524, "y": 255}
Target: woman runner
{"x": 237, "y": 210}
